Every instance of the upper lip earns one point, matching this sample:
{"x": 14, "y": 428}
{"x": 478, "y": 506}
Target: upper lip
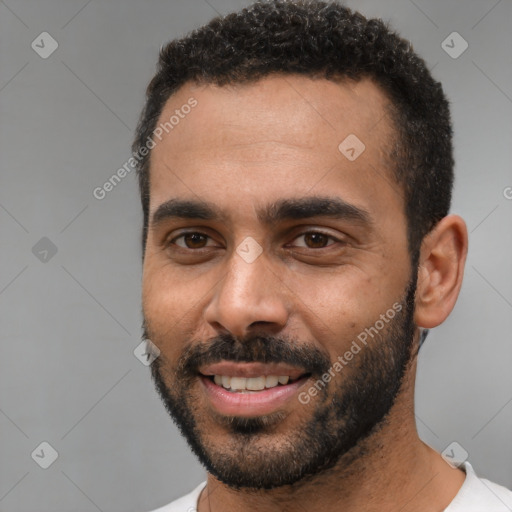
{"x": 234, "y": 369}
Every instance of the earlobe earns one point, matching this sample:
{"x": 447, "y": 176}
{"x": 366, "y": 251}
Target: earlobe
{"x": 441, "y": 269}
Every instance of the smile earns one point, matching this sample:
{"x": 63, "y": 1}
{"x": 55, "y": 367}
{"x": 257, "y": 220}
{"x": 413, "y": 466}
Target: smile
{"x": 251, "y": 384}
{"x": 250, "y": 389}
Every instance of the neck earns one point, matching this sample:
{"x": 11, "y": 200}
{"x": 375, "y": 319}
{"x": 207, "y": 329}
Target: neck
{"x": 390, "y": 470}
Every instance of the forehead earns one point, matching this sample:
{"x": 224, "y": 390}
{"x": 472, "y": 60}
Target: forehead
{"x": 276, "y": 137}
{"x": 299, "y": 110}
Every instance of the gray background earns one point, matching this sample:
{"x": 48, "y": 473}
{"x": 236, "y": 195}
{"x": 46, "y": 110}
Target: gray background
{"x": 70, "y": 323}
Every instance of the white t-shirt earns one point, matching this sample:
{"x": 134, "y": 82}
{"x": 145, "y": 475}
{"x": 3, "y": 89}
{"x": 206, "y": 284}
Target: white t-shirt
{"x": 475, "y": 495}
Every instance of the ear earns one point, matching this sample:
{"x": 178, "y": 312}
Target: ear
{"x": 441, "y": 269}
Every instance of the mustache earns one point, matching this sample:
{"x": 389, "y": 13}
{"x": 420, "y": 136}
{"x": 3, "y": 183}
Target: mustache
{"x": 260, "y": 348}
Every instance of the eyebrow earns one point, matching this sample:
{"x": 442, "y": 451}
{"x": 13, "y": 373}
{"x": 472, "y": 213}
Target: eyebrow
{"x": 278, "y": 211}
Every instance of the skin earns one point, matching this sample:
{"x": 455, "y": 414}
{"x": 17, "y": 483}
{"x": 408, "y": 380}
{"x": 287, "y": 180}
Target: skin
{"x": 241, "y": 148}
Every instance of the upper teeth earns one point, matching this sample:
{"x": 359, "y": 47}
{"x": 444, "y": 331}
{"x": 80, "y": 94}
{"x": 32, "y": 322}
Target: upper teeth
{"x": 250, "y": 383}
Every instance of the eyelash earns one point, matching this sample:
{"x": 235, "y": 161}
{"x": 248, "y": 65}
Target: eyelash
{"x": 316, "y": 232}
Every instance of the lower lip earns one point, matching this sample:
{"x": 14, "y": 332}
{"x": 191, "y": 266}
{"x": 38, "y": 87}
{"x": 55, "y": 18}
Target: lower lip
{"x": 256, "y": 403}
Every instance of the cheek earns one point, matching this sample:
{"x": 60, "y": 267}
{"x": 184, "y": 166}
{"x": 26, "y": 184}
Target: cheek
{"x": 338, "y": 308}
{"x": 163, "y": 308}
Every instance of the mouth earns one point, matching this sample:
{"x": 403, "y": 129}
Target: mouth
{"x": 252, "y": 384}
{"x": 250, "y": 389}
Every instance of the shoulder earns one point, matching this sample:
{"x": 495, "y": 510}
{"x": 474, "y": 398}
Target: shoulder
{"x": 187, "y": 503}
{"x": 479, "y": 495}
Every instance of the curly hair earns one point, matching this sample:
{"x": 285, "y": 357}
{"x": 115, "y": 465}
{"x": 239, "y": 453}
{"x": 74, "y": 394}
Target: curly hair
{"x": 320, "y": 39}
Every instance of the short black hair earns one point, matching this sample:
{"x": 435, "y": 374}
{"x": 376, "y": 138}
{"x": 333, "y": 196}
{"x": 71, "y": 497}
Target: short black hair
{"x": 320, "y": 39}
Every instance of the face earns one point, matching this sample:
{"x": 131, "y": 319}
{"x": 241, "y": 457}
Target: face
{"x": 277, "y": 284}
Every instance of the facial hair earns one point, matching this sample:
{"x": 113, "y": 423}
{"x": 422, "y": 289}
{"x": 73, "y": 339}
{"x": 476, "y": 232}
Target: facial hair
{"x": 252, "y": 453}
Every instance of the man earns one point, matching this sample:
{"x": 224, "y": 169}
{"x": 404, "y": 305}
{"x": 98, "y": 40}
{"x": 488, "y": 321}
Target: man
{"x": 295, "y": 173}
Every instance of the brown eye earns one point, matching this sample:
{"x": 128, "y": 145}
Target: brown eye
{"x": 191, "y": 240}
{"x": 315, "y": 240}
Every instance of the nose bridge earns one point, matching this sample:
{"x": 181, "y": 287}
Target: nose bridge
{"x": 244, "y": 279}
{"x": 248, "y": 293}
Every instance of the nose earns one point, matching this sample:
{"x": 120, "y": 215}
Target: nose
{"x": 250, "y": 295}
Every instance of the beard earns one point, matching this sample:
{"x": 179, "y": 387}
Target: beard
{"x": 258, "y": 452}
